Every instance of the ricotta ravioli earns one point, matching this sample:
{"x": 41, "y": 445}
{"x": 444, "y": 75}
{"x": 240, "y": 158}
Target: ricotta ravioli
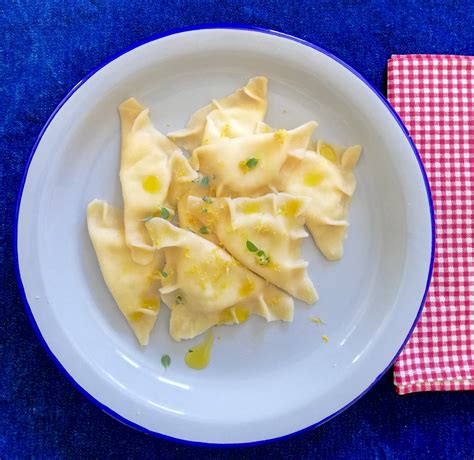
{"x": 264, "y": 234}
{"x": 133, "y": 286}
{"x": 206, "y": 286}
{"x": 232, "y": 116}
{"x": 326, "y": 176}
{"x": 150, "y": 164}
{"x": 227, "y": 162}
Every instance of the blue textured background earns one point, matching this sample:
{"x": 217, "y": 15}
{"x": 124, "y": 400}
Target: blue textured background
{"x": 46, "y": 47}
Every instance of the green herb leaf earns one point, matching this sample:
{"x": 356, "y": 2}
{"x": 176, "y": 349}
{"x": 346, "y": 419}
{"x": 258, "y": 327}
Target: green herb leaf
{"x": 207, "y": 199}
{"x": 179, "y": 299}
{"x": 251, "y": 163}
{"x": 165, "y": 361}
{"x": 202, "y": 181}
{"x": 204, "y": 230}
{"x": 203, "y": 209}
{"x": 263, "y": 259}
{"x": 260, "y": 253}
{"x": 164, "y": 274}
{"x": 165, "y": 213}
{"x": 251, "y": 247}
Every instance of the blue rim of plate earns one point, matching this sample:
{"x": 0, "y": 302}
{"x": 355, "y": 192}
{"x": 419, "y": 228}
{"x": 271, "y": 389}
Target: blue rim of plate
{"x": 155, "y": 37}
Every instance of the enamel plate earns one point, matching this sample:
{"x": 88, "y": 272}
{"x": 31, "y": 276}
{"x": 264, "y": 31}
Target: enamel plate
{"x": 265, "y": 381}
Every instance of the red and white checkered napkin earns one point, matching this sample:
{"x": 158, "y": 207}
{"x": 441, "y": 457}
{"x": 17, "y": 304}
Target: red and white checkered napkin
{"x": 434, "y": 96}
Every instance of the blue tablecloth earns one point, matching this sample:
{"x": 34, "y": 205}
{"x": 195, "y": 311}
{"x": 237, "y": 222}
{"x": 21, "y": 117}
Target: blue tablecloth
{"x": 46, "y": 47}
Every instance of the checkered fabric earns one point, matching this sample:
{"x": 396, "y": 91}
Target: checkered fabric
{"x": 434, "y": 96}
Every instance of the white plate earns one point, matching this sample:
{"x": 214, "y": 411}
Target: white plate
{"x": 265, "y": 380}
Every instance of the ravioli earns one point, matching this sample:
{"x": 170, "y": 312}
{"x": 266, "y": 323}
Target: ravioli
{"x": 205, "y": 286}
{"x": 324, "y": 173}
{"x": 133, "y": 286}
{"x": 264, "y": 234}
{"x": 232, "y": 116}
{"x": 247, "y": 166}
{"x": 150, "y": 165}
{"x": 326, "y": 176}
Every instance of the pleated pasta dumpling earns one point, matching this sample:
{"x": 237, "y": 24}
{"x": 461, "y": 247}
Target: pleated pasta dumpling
{"x": 326, "y": 176}
{"x": 231, "y": 116}
{"x": 264, "y": 234}
{"x": 133, "y": 286}
{"x": 150, "y": 164}
{"x": 249, "y": 165}
{"x": 205, "y": 286}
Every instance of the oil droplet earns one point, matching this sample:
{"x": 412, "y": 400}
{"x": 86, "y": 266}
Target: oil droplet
{"x": 246, "y": 288}
{"x": 232, "y": 315}
{"x": 313, "y": 178}
{"x": 242, "y": 314}
{"x": 135, "y": 316}
{"x": 151, "y": 184}
{"x": 150, "y": 304}
{"x": 198, "y": 357}
{"x": 328, "y": 152}
{"x": 251, "y": 208}
{"x": 290, "y": 208}
{"x": 226, "y": 316}
{"x": 243, "y": 167}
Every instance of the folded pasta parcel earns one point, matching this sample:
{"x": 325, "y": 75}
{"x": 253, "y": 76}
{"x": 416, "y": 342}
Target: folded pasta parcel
{"x": 249, "y": 165}
{"x": 133, "y": 286}
{"x": 204, "y": 285}
{"x": 263, "y": 233}
{"x": 325, "y": 175}
{"x": 151, "y": 168}
{"x": 232, "y": 116}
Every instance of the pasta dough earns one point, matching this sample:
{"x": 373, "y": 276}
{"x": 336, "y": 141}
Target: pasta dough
{"x": 151, "y": 166}
{"x": 205, "y": 286}
{"x": 262, "y": 233}
{"x": 232, "y": 116}
{"x": 326, "y": 176}
{"x": 133, "y": 286}
{"x": 247, "y": 166}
